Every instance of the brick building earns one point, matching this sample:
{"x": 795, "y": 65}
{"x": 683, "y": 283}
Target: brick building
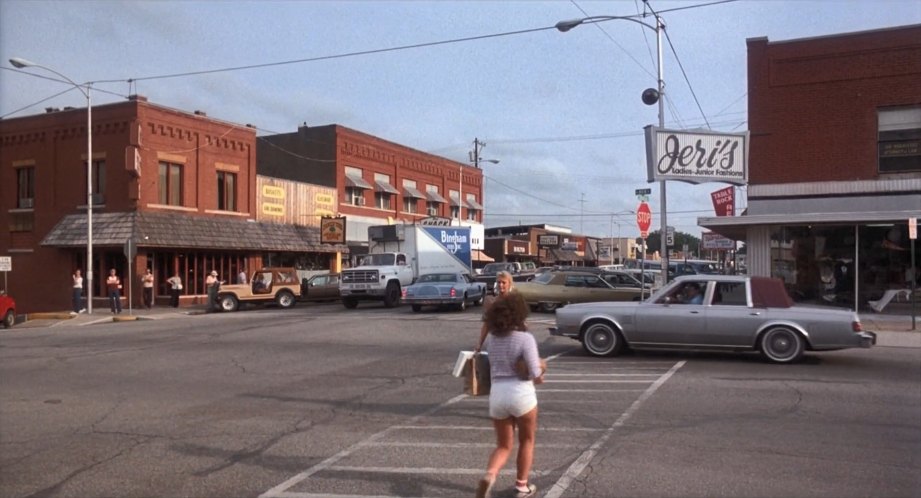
{"x": 376, "y": 181}
{"x": 835, "y": 163}
{"x": 181, "y": 186}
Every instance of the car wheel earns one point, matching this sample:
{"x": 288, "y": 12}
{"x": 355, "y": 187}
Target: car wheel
{"x": 782, "y": 345}
{"x": 549, "y": 307}
{"x": 228, "y": 302}
{"x": 284, "y": 299}
{"x": 350, "y": 303}
{"x": 392, "y": 295}
{"x": 461, "y": 306}
{"x": 9, "y": 319}
{"x": 417, "y": 308}
{"x": 479, "y": 302}
{"x": 601, "y": 339}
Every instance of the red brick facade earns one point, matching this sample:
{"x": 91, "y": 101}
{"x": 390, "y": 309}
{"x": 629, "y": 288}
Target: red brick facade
{"x": 801, "y": 89}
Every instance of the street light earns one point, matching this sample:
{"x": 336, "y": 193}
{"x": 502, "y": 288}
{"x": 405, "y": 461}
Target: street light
{"x": 649, "y": 97}
{"x": 22, "y": 63}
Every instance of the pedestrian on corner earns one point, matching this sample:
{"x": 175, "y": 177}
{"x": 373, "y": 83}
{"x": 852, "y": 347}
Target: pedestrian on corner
{"x": 77, "y": 293}
{"x": 512, "y": 396}
{"x": 504, "y": 285}
{"x": 212, "y": 284}
{"x": 148, "y": 283}
{"x": 175, "y": 287}
{"x": 241, "y": 277}
{"x": 114, "y": 286}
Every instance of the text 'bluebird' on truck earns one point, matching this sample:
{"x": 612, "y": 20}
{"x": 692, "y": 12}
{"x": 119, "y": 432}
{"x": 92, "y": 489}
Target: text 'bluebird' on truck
{"x": 397, "y": 255}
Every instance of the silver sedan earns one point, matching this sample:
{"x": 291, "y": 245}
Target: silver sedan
{"x": 714, "y": 312}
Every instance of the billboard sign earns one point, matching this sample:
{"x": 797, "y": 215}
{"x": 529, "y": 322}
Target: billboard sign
{"x": 713, "y": 240}
{"x": 724, "y": 201}
{"x": 696, "y": 156}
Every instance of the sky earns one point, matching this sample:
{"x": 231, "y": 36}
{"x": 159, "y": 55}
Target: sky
{"x": 561, "y": 112}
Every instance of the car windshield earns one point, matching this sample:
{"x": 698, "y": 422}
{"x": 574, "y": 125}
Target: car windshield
{"x": 377, "y": 260}
{"x": 543, "y": 278}
{"x": 493, "y": 268}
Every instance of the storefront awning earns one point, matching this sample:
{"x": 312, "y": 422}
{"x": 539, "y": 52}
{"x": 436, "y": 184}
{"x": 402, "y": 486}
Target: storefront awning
{"x": 383, "y": 186}
{"x": 735, "y": 227}
{"x": 455, "y": 201}
{"x": 412, "y": 193}
{"x": 356, "y": 182}
{"x": 181, "y": 231}
{"x": 563, "y": 255}
{"x": 435, "y": 197}
{"x": 481, "y": 256}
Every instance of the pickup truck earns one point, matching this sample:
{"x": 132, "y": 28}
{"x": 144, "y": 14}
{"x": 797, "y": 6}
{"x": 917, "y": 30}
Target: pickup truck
{"x": 268, "y": 285}
{"x": 521, "y": 272}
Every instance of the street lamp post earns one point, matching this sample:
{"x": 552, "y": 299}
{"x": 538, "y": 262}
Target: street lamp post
{"x": 22, "y": 63}
{"x": 565, "y": 26}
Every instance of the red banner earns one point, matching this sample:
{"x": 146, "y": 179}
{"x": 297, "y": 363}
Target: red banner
{"x": 724, "y": 201}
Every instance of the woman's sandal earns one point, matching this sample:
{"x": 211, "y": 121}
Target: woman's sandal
{"x": 532, "y": 490}
{"x": 485, "y": 486}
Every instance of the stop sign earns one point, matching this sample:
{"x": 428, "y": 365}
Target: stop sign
{"x": 643, "y": 219}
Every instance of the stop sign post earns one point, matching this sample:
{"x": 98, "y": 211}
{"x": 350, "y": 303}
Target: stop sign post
{"x": 643, "y": 219}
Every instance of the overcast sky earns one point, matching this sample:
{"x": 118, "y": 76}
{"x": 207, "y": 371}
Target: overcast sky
{"x": 560, "y": 111}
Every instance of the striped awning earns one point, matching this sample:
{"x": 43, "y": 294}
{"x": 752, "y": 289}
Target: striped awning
{"x": 455, "y": 201}
{"x": 435, "y": 197}
{"x": 474, "y": 205}
{"x": 412, "y": 193}
{"x": 356, "y": 182}
{"x": 383, "y": 186}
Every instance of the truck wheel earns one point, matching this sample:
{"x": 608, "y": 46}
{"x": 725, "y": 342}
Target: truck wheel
{"x": 461, "y": 306}
{"x": 349, "y": 303}
{"x": 284, "y": 299}
{"x": 9, "y": 319}
{"x": 228, "y": 302}
{"x": 392, "y": 295}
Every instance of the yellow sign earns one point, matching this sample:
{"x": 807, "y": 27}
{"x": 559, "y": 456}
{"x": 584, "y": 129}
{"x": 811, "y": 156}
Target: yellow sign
{"x": 273, "y": 192}
{"x": 273, "y": 209}
{"x": 324, "y": 199}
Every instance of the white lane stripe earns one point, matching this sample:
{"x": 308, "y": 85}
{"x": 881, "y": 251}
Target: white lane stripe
{"x": 589, "y": 391}
{"x": 578, "y": 466}
{"x": 274, "y": 492}
{"x": 487, "y": 428}
{"x": 426, "y": 470}
{"x": 550, "y": 381}
{"x": 461, "y": 445}
{"x": 551, "y": 375}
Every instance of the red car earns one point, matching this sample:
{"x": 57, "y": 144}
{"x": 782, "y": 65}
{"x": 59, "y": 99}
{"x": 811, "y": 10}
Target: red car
{"x": 7, "y": 310}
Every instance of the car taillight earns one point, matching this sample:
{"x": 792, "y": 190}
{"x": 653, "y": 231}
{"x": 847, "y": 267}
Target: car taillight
{"x": 404, "y": 292}
{"x": 856, "y": 326}
{"x": 453, "y": 292}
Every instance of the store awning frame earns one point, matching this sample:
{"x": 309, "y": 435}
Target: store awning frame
{"x": 386, "y": 187}
{"x": 411, "y": 192}
{"x": 357, "y": 182}
{"x": 435, "y": 197}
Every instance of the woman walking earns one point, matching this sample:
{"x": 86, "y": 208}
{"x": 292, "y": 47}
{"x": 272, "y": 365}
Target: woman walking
{"x": 512, "y": 401}
{"x": 504, "y": 285}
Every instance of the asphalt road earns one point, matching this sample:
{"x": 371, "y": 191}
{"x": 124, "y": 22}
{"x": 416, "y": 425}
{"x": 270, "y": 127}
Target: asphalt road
{"x": 322, "y": 402}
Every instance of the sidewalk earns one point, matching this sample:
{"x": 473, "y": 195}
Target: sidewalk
{"x": 103, "y": 315}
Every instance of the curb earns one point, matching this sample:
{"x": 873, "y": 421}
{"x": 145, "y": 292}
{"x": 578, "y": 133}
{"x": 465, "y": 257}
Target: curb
{"x": 53, "y": 315}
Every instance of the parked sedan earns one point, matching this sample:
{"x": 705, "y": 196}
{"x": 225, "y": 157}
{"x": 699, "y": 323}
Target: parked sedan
{"x": 551, "y": 290}
{"x": 714, "y": 312}
{"x": 444, "y": 289}
{"x": 320, "y": 288}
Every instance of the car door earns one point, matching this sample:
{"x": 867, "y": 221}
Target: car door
{"x": 673, "y": 323}
{"x": 731, "y": 319}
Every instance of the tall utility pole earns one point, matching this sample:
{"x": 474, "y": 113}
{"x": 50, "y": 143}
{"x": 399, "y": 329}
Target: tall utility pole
{"x": 582, "y": 215}
{"x": 474, "y": 156}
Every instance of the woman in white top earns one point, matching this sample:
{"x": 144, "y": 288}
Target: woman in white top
{"x": 512, "y": 397}
{"x": 78, "y": 292}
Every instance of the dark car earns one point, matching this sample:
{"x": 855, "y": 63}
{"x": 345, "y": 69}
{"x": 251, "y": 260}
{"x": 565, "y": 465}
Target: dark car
{"x": 7, "y": 310}
{"x": 320, "y": 288}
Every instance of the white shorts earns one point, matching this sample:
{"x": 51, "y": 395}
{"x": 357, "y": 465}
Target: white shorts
{"x": 511, "y": 398}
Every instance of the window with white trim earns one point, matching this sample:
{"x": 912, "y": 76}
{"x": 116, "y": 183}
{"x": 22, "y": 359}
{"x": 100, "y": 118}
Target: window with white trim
{"x": 899, "y": 139}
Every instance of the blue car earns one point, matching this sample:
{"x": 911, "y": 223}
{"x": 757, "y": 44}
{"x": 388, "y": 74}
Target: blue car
{"x": 453, "y": 289}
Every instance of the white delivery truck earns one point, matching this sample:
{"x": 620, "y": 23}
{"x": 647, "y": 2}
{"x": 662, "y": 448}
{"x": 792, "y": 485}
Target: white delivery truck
{"x": 397, "y": 255}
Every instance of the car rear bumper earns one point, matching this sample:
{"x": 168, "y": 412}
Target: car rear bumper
{"x": 867, "y": 339}
{"x": 431, "y": 301}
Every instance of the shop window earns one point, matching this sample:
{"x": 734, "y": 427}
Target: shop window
{"x": 899, "y": 139}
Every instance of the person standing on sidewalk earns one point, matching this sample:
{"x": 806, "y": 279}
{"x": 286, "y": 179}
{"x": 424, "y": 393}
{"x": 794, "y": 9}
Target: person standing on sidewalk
{"x": 175, "y": 286}
{"x": 77, "y": 293}
{"x": 114, "y": 286}
{"x": 147, "y": 281}
{"x": 212, "y": 284}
